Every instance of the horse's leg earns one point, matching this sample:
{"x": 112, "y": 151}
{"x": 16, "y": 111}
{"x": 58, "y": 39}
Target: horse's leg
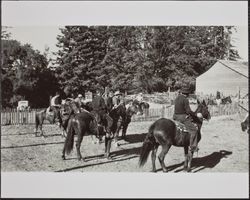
{"x": 190, "y": 157}
{"x": 165, "y": 149}
{"x": 125, "y": 127}
{"x": 116, "y": 136}
{"x": 63, "y": 153}
{"x": 78, "y": 143}
{"x": 153, "y": 158}
{"x": 186, "y": 158}
{"x": 107, "y": 146}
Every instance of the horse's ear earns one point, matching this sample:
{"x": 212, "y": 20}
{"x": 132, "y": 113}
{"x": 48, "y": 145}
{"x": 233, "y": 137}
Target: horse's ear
{"x": 203, "y": 102}
{"x": 198, "y": 101}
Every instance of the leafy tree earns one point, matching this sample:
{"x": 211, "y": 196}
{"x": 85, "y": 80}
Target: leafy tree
{"x": 25, "y": 75}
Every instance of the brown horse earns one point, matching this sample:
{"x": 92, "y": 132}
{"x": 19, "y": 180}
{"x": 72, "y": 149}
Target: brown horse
{"x": 122, "y": 117}
{"x": 51, "y": 117}
{"x": 165, "y": 133}
{"x": 80, "y": 124}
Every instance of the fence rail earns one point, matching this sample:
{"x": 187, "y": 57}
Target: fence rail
{"x": 15, "y": 117}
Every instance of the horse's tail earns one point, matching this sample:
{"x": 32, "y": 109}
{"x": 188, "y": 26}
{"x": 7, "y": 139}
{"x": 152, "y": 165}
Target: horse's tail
{"x": 147, "y": 146}
{"x": 69, "y": 141}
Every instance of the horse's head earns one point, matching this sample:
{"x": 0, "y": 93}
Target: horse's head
{"x": 136, "y": 107}
{"x": 65, "y": 111}
{"x": 202, "y": 110}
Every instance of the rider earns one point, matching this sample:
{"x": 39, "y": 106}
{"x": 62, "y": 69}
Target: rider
{"x": 80, "y": 101}
{"x": 67, "y": 94}
{"x": 100, "y": 111}
{"x": 109, "y": 102}
{"x": 55, "y": 104}
{"x": 117, "y": 99}
{"x": 139, "y": 97}
{"x": 182, "y": 113}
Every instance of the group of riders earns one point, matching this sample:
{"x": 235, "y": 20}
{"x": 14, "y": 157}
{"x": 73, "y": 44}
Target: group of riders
{"x": 104, "y": 104}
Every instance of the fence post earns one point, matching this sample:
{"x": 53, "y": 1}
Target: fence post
{"x": 163, "y": 111}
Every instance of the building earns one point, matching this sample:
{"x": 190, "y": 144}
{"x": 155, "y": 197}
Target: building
{"x": 227, "y": 77}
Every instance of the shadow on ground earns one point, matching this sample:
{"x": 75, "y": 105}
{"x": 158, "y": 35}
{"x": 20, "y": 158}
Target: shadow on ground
{"x": 201, "y": 163}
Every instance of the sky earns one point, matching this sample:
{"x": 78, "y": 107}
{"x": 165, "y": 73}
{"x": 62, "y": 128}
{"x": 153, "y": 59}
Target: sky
{"x": 41, "y": 37}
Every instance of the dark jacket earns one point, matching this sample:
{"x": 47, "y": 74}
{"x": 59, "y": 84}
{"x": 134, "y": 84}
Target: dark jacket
{"x": 109, "y": 103}
{"x": 98, "y": 104}
{"x": 182, "y": 106}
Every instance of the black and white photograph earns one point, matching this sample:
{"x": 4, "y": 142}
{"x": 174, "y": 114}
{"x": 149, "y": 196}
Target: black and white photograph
{"x": 124, "y": 98}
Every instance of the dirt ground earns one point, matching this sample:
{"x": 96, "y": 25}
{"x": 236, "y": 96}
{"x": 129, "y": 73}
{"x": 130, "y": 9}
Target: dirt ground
{"x": 223, "y": 148}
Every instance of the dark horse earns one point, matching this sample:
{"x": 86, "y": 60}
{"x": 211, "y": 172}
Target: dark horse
{"x": 122, "y": 117}
{"x": 164, "y": 132}
{"x": 51, "y": 117}
{"x": 226, "y": 100}
{"x": 144, "y": 106}
{"x": 80, "y": 124}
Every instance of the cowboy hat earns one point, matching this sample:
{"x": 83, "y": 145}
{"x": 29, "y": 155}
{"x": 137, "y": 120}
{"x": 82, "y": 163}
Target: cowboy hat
{"x": 185, "y": 89}
{"x": 79, "y": 95}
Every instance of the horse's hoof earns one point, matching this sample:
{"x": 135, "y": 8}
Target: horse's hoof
{"x": 188, "y": 170}
{"x": 154, "y": 171}
{"x": 63, "y": 157}
{"x": 165, "y": 170}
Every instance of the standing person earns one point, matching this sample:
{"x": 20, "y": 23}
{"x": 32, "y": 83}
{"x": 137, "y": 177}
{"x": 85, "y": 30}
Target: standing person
{"x": 184, "y": 114}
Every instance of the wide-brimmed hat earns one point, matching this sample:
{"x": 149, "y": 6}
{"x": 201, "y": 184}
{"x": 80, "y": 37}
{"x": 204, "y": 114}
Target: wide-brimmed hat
{"x": 117, "y": 93}
{"x": 79, "y": 95}
{"x": 185, "y": 89}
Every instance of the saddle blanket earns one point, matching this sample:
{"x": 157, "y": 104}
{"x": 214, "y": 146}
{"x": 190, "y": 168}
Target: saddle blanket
{"x": 181, "y": 127}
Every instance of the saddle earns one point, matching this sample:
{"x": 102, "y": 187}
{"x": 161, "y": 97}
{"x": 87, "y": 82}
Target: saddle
{"x": 181, "y": 128}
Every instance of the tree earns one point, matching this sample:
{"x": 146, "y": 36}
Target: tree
{"x": 81, "y": 51}
{"x": 23, "y": 71}
{"x": 139, "y": 58}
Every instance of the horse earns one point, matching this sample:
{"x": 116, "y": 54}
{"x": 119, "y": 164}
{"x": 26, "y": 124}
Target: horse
{"x": 144, "y": 106}
{"x": 226, "y": 100}
{"x": 165, "y": 133}
{"x": 122, "y": 117}
{"x": 79, "y": 123}
{"x": 44, "y": 115}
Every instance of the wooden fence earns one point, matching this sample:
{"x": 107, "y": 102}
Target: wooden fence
{"x": 14, "y": 117}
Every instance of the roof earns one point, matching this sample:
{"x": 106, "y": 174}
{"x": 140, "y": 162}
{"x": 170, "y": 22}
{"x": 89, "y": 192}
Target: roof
{"x": 238, "y": 67}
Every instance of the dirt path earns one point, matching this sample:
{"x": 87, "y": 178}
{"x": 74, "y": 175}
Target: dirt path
{"x": 223, "y": 148}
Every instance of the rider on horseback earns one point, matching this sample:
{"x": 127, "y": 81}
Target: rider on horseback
{"x": 55, "y": 104}
{"x": 117, "y": 99}
{"x": 80, "y": 102}
{"x": 109, "y": 101}
{"x": 100, "y": 111}
{"x": 182, "y": 113}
